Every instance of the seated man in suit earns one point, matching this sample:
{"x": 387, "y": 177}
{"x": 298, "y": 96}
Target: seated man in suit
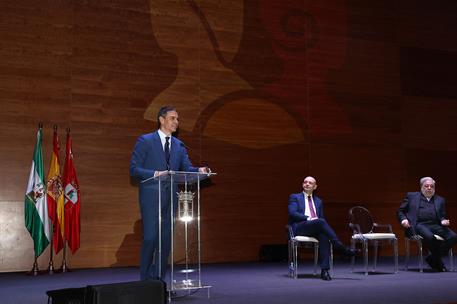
{"x": 306, "y": 217}
{"x": 424, "y": 213}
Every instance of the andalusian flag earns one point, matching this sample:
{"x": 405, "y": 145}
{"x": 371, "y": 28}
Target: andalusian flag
{"x": 36, "y": 208}
{"x": 55, "y": 196}
{"x": 72, "y": 199}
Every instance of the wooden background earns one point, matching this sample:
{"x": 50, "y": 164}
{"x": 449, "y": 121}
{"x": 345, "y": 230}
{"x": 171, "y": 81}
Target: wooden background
{"x": 359, "y": 94}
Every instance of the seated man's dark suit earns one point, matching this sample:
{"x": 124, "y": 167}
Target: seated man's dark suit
{"x": 425, "y": 220}
{"x": 318, "y": 228}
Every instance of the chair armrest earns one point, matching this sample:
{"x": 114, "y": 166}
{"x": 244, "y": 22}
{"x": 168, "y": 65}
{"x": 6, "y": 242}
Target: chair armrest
{"x": 355, "y": 228}
{"x": 290, "y": 232}
{"x": 416, "y": 237}
{"x": 388, "y": 226}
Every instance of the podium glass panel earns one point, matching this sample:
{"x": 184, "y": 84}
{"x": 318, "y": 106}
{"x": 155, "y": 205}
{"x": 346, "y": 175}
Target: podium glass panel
{"x": 185, "y": 254}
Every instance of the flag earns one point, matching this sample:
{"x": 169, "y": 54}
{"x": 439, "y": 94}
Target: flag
{"x": 55, "y": 196}
{"x": 72, "y": 199}
{"x": 36, "y": 208}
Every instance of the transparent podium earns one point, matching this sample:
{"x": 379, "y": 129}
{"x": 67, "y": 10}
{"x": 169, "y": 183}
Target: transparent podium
{"x": 185, "y": 253}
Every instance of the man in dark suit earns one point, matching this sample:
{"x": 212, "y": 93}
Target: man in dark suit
{"x": 306, "y": 217}
{"x": 424, "y": 213}
{"x": 153, "y": 155}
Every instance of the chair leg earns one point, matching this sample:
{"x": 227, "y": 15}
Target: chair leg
{"x": 365, "y": 256}
{"x": 353, "y": 258}
{"x": 375, "y": 256}
{"x": 295, "y": 260}
{"x": 316, "y": 256}
{"x": 451, "y": 260}
{"x": 331, "y": 259}
{"x": 421, "y": 256}
{"x": 395, "y": 256}
{"x": 290, "y": 263}
{"x": 406, "y": 254}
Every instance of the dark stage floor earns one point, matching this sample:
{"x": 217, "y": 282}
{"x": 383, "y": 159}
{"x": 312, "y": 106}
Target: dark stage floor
{"x": 265, "y": 283}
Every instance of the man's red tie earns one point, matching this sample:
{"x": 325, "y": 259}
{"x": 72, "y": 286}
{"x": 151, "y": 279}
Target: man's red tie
{"x": 311, "y": 207}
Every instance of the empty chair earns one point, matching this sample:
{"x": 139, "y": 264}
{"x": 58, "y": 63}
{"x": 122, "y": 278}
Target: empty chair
{"x": 366, "y": 231}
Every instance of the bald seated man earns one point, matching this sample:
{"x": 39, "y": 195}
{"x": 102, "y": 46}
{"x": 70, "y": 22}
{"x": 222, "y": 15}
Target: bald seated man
{"x": 306, "y": 217}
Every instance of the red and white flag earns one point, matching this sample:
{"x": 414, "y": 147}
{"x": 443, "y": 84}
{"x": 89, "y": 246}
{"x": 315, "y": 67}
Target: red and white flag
{"x": 72, "y": 200}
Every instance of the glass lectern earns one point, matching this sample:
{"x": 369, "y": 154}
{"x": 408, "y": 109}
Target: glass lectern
{"x": 185, "y": 254}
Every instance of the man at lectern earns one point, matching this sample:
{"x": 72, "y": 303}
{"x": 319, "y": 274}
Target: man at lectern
{"x": 306, "y": 216}
{"x": 155, "y": 154}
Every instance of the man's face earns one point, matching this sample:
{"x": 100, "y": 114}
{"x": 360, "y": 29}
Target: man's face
{"x": 169, "y": 123}
{"x": 428, "y": 188}
{"x": 309, "y": 184}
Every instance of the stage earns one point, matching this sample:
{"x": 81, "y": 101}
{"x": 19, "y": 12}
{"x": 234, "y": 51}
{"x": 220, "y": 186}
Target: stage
{"x": 265, "y": 283}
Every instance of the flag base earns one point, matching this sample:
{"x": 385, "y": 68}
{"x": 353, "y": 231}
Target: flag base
{"x": 35, "y": 271}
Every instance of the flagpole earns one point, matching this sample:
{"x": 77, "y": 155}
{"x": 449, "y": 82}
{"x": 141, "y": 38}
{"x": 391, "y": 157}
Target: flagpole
{"x": 64, "y": 267}
{"x": 51, "y": 263}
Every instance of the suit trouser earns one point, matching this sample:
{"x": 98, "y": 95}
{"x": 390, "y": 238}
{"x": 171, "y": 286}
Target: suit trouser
{"x": 437, "y": 248}
{"x": 149, "y": 266}
{"x": 321, "y": 230}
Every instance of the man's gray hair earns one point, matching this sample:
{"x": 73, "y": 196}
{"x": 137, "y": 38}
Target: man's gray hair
{"x": 426, "y": 178}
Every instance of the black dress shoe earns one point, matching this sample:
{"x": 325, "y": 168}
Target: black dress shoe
{"x": 440, "y": 267}
{"x": 430, "y": 262}
{"x": 436, "y": 265}
{"x": 325, "y": 275}
{"x": 443, "y": 269}
{"x": 349, "y": 252}
{"x": 344, "y": 251}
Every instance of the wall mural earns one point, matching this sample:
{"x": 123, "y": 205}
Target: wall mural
{"x": 221, "y": 90}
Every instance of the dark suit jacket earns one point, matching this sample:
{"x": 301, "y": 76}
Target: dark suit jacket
{"x": 297, "y": 208}
{"x": 148, "y": 156}
{"x": 409, "y": 208}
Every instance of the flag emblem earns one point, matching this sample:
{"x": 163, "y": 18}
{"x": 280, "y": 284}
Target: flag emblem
{"x": 55, "y": 187}
{"x": 71, "y": 193}
{"x": 37, "y": 192}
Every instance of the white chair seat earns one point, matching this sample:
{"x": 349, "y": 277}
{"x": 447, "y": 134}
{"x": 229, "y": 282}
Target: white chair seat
{"x": 438, "y": 237}
{"x": 374, "y": 236}
{"x": 435, "y": 235}
{"x": 300, "y": 238}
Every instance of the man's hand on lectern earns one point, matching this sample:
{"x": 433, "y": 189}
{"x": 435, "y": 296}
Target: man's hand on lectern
{"x": 204, "y": 170}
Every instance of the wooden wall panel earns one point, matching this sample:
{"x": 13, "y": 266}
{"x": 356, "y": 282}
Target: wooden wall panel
{"x": 360, "y": 94}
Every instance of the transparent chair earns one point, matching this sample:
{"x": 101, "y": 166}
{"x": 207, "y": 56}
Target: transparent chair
{"x": 418, "y": 239}
{"x": 294, "y": 242}
{"x": 365, "y": 231}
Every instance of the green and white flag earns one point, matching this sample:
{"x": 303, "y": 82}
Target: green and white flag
{"x": 36, "y": 207}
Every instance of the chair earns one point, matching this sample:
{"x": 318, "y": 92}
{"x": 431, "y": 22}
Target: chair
{"x": 364, "y": 231}
{"x": 294, "y": 242}
{"x": 418, "y": 239}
